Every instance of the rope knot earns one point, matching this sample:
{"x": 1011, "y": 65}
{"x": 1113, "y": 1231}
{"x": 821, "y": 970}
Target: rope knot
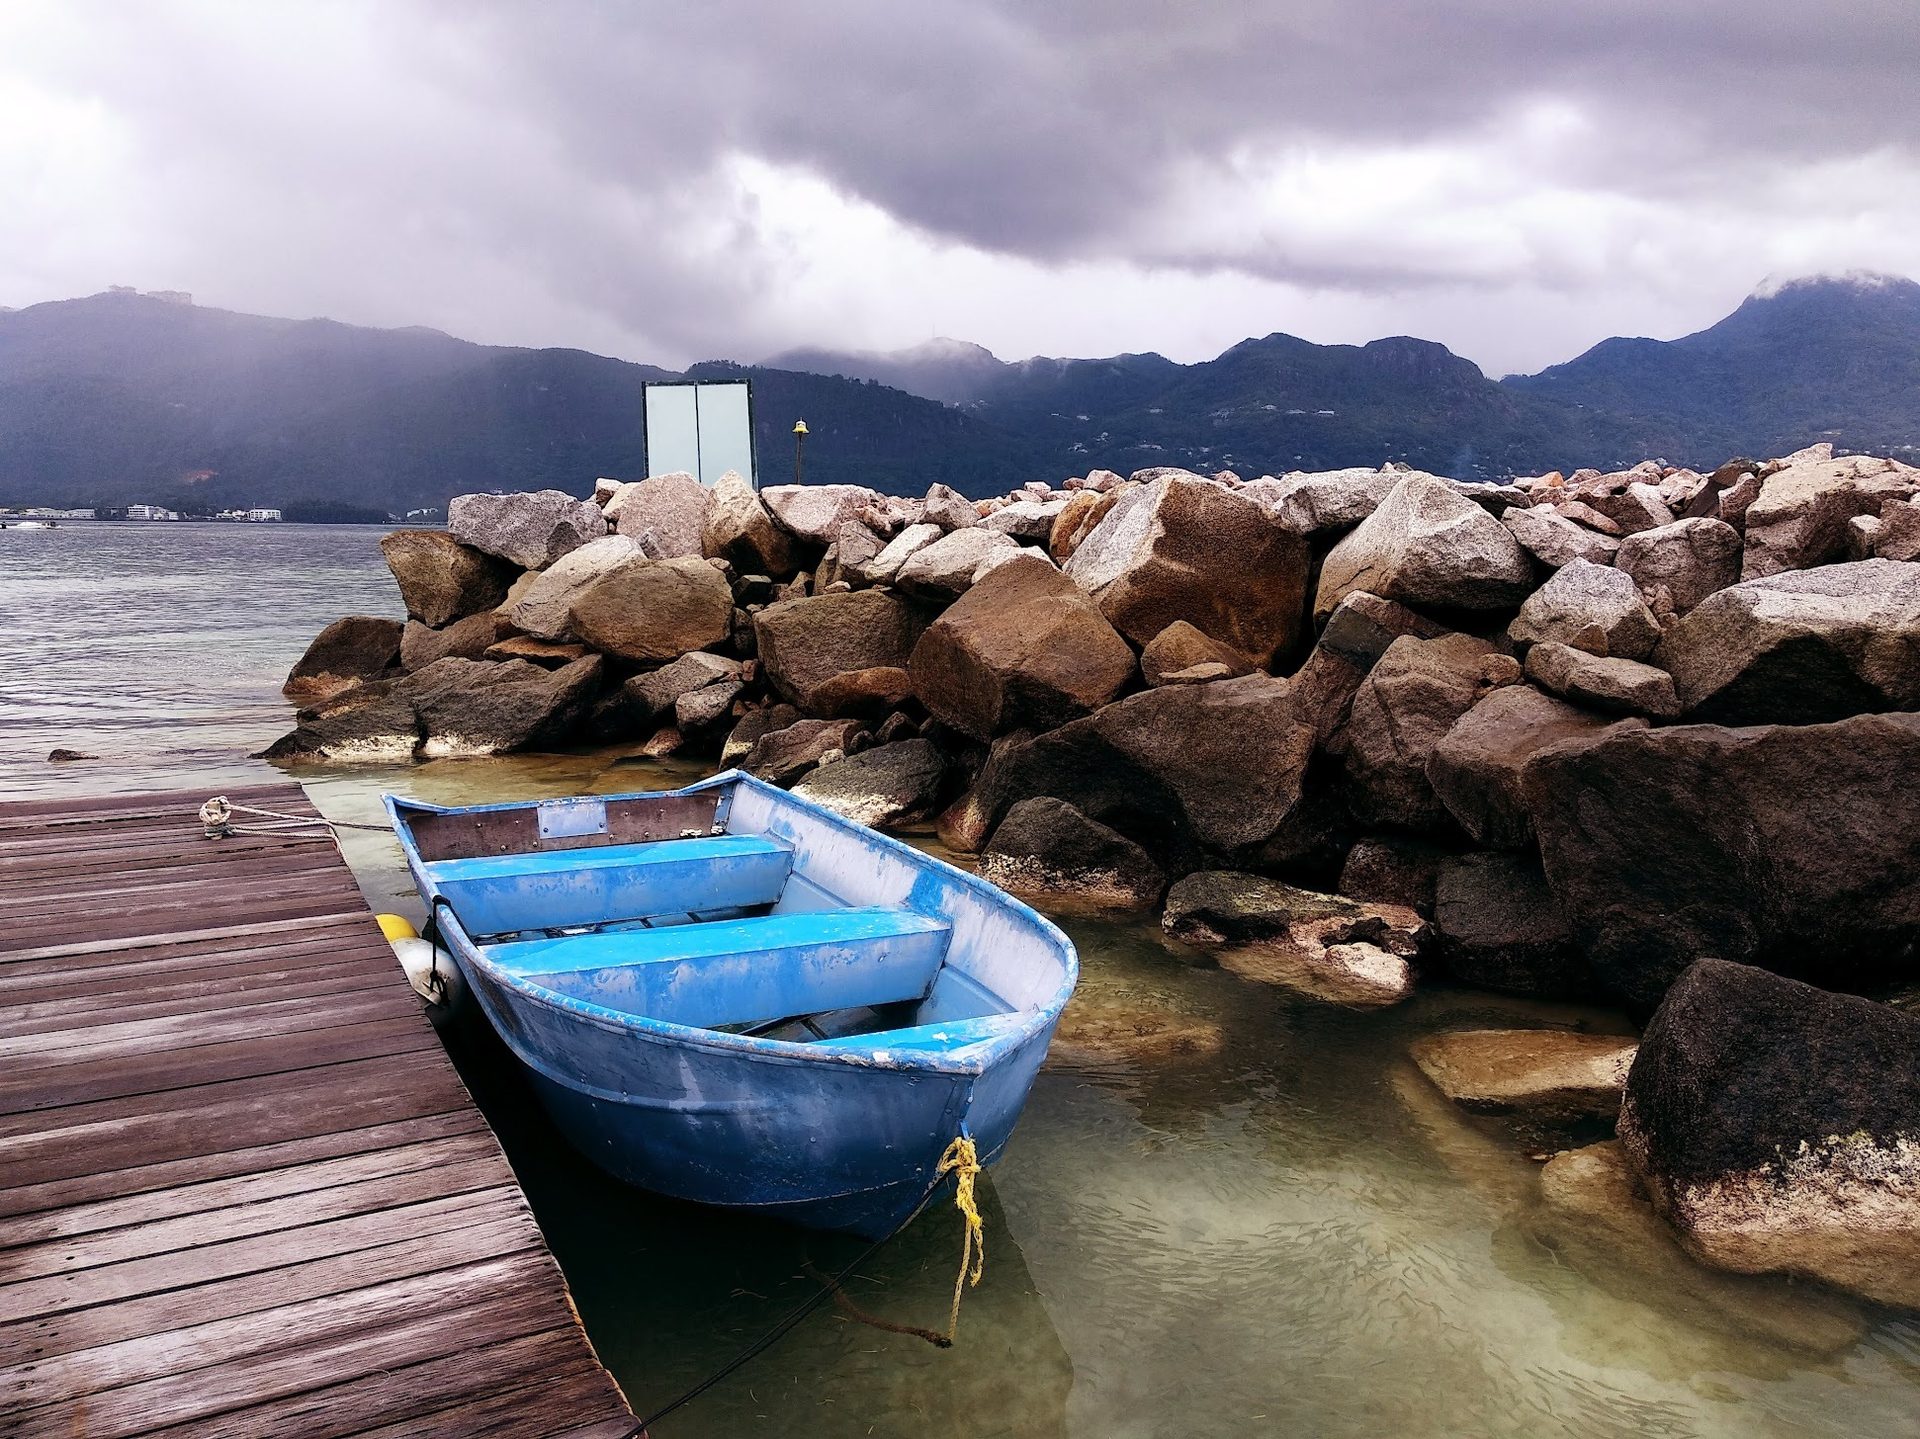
{"x": 217, "y": 815}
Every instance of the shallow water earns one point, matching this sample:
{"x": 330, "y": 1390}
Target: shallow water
{"x": 1222, "y": 1213}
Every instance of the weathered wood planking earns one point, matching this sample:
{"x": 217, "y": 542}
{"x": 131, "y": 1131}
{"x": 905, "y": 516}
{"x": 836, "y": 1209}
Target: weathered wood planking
{"x": 242, "y": 1190}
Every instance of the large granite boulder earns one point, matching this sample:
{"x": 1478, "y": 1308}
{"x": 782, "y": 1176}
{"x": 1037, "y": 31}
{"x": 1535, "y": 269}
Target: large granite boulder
{"x": 1478, "y": 769}
{"x": 658, "y": 691}
{"x": 1678, "y": 565}
{"x": 543, "y": 607}
{"x": 367, "y": 724}
{"x": 740, "y": 530}
{"x": 475, "y": 707}
{"x": 467, "y": 639}
{"x": 804, "y": 644}
{"x": 786, "y": 753}
{"x": 1426, "y": 545}
{"x": 1792, "y": 848}
{"x": 882, "y": 787}
{"x": 1800, "y": 517}
{"x": 530, "y": 530}
{"x": 1414, "y": 694}
{"x": 1326, "y": 499}
{"x": 1184, "y": 771}
{"x": 1555, "y": 540}
{"x": 1024, "y": 648}
{"x": 1600, "y": 682}
{"x": 666, "y": 515}
{"x": 1047, "y": 849}
{"x": 815, "y": 513}
{"x": 346, "y": 653}
{"x": 1550, "y": 1074}
{"x": 1497, "y": 926}
{"x": 1319, "y": 946}
{"x": 442, "y": 579}
{"x": 947, "y": 568}
{"x": 654, "y": 609}
{"x": 1801, "y": 647}
{"x": 1029, "y": 521}
{"x": 948, "y": 508}
{"x": 1180, "y": 654}
{"x": 1189, "y": 549}
{"x": 1777, "y": 1127}
{"x": 884, "y": 566}
{"x": 1590, "y": 607}
{"x": 1896, "y": 531}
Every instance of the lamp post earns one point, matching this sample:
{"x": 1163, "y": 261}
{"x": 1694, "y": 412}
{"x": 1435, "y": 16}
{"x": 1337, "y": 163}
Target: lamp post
{"x": 799, "y": 444}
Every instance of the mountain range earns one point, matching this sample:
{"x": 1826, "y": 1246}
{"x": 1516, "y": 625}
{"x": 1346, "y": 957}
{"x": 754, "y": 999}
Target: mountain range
{"x": 123, "y": 397}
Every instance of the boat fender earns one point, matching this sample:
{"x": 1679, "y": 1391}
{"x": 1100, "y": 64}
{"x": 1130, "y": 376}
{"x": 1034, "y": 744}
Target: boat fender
{"x": 431, "y": 971}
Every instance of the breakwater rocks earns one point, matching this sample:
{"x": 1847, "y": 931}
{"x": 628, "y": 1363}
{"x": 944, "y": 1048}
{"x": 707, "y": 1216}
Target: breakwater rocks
{"x": 1565, "y": 737}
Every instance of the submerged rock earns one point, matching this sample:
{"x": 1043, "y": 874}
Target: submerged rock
{"x": 1047, "y": 849}
{"x": 346, "y": 653}
{"x": 1544, "y": 1073}
{"x": 1777, "y": 1127}
{"x": 440, "y": 578}
{"x": 531, "y": 530}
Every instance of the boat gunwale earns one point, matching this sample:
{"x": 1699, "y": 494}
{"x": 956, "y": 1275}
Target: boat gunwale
{"x": 978, "y": 1058}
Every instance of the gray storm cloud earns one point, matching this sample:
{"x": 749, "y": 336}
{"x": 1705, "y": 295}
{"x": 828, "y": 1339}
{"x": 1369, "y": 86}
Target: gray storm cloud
{"x": 675, "y": 181}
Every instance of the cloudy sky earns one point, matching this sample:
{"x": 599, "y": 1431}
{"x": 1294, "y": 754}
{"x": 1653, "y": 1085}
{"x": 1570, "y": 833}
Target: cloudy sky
{"x": 675, "y": 181}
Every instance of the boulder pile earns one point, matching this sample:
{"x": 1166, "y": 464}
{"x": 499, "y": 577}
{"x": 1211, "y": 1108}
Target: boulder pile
{"x": 1563, "y": 737}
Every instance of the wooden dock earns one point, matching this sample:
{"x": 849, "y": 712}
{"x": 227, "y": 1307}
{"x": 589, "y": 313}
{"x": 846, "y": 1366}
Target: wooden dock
{"x": 242, "y": 1189}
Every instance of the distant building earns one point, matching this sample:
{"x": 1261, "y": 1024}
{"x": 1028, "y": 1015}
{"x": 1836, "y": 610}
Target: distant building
{"x": 151, "y": 512}
{"x": 258, "y": 516}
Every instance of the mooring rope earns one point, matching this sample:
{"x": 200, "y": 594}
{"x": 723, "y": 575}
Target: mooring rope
{"x": 217, "y": 816}
{"x": 961, "y": 1160}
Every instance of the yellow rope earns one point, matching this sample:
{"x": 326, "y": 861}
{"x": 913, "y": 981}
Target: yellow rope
{"x": 962, "y": 1161}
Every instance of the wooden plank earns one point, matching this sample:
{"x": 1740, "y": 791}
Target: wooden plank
{"x": 201, "y": 995}
{"x": 152, "y": 978}
{"x": 155, "y": 939}
{"x": 315, "y": 1005}
{"x": 520, "y": 1413}
{"x": 476, "y": 1236}
{"x": 18, "y": 976}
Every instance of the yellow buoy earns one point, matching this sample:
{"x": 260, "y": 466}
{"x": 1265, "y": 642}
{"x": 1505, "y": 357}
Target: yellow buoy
{"x": 395, "y": 926}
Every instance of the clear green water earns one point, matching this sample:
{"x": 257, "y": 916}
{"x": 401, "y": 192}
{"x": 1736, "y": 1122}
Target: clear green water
{"x": 1255, "y": 1218}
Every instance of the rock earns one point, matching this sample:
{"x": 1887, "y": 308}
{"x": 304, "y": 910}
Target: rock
{"x": 1030, "y": 521}
{"x": 1363, "y": 627}
{"x": 1024, "y": 648}
{"x": 441, "y": 579}
{"x": 605, "y": 489}
{"x": 1074, "y": 522}
{"x": 1777, "y": 1128}
{"x": 1801, "y": 647}
{"x": 666, "y": 515}
{"x": 472, "y": 707}
{"x": 880, "y": 787}
{"x": 651, "y": 695}
{"x": 1413, "y": 696}
{"x": 1800, "y": 516}
{"x": 346, "y": 653}
{"x": 1587, "y": 517}
{"x": 1637, "y": 507}
{"x": 1180, "y": 647}
{"x": 1187, "y": 769}
{"x": 755, "y": 725}
{"x": 1612, "y": 685}
{"x": 784, "y": 755}
{"x": 1479, "y": 768}
{"x": 697, "y": 709}
{"x": 1497, "y": 926}
{"x": 466, "y": 639}
{"x": 965, "y": 824}
{"x": 1863, "y": 536}
{"x": 1786, "y": 847}
{"x": 1190, "y": 549}
{"x": 530, "y": 530}
{"x": 1425, "y": 545}
{"x": 803, "y": 644}
{"x": 740, "y": 529}
{"x": 1320, "y": 946}
{"x": 1047, "y": 849}
{"x": 816, "y": 512}
{"x": 1737, "y": 499}
{"x": 366, "y": 725}
{"x": 1544, "y": 1073}
{"x": 548, "y": 654}
{"x": 1691, "y": 558}
{"x": 885, "y": 566}
{"x": 544, "y": 607}
{"x": 654, "y": 609}
{"x": 1590, "y": 607}
{"x": 945, "y": 569}
{"x": 1898, "y": 536}
{"x": 68, "y": 756}
{"x": 867, "y": 694}
{"x": 949, "y": 509}
{"x": 1129, "y": 1034}
{"x": 1392, "y": 869}
{"x": 1327, "y": 500}
{"x": 1555, "y": 540}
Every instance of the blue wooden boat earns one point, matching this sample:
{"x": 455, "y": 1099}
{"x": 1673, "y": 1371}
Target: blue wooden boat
{"x": 730, "y": 995}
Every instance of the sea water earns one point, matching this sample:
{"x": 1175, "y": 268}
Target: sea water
{"x": 1223, "y": 1212}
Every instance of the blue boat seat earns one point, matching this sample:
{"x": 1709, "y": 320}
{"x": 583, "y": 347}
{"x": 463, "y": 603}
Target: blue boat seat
{"x": 741, "y": 971}
{"x": 929, "y": 1038}
{"x": 551, "y": 889}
